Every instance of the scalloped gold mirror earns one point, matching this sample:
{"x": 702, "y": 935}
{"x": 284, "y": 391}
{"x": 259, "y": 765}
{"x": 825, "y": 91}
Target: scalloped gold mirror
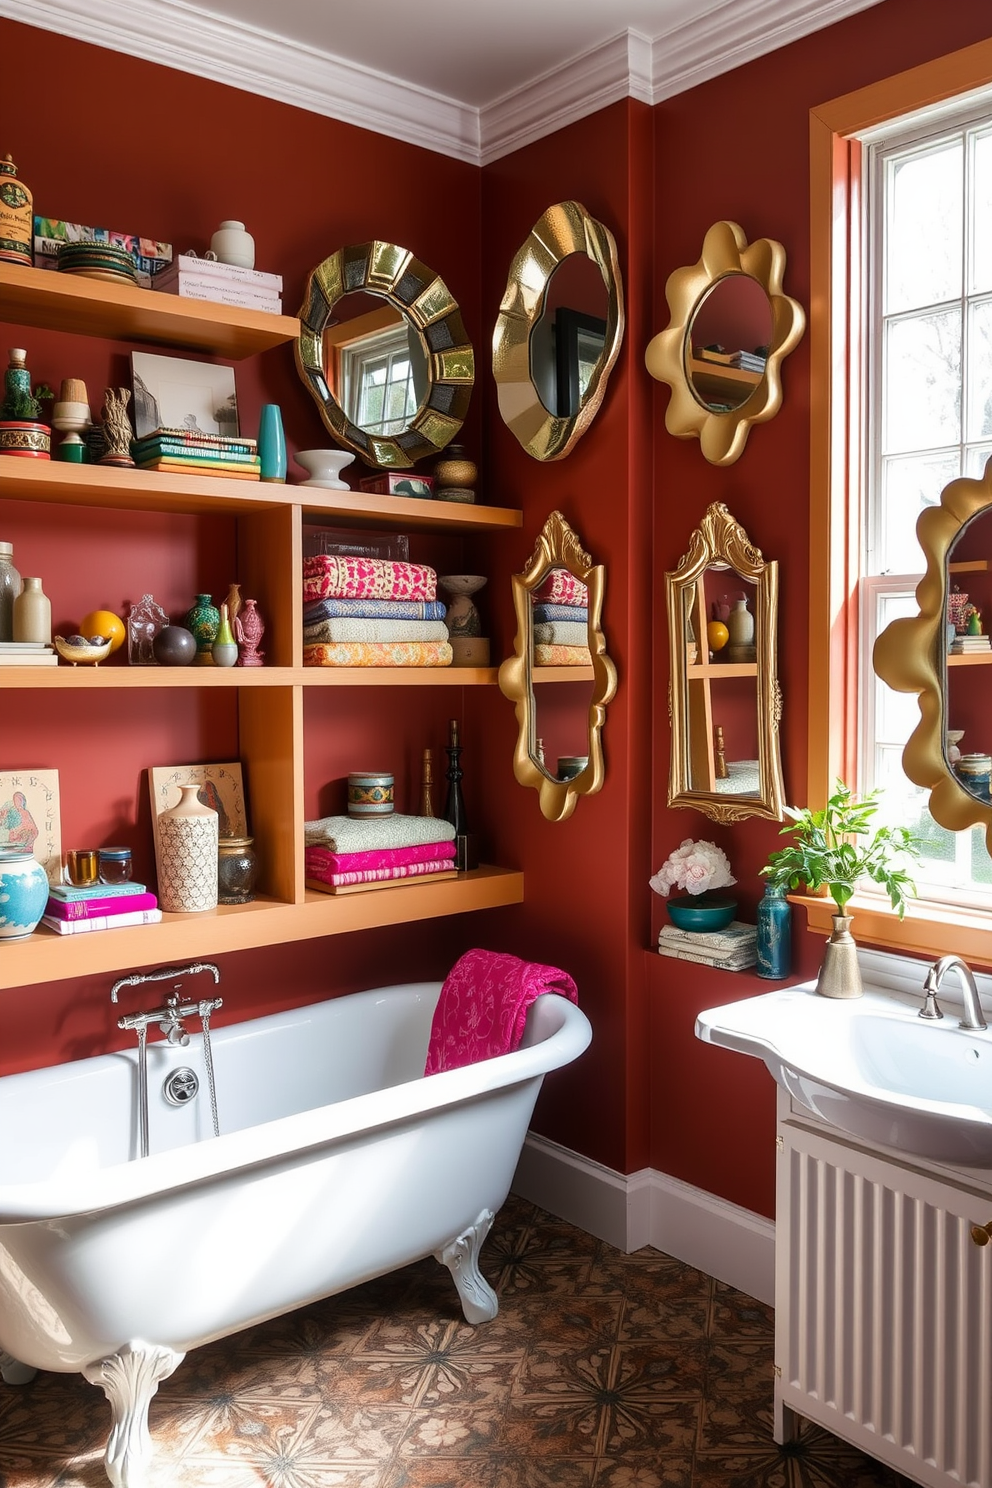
{"x": 731, "y": 325}
{"x": 724, "y": 701}
{"x": 559, "y": 330}
{"x": 559, "y": 653}
{"x": 384, "y": 354}
{"x": 912, "y": 655}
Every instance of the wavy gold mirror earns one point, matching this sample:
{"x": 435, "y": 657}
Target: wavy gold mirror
{"x": 560, "y": 651}
{"x": 724, "y": 701}
{"x": 914, "y": 654}
{"x": 559, "y": 330}
{"x": 384, "y": 354}
{"x": 731, "y": 325}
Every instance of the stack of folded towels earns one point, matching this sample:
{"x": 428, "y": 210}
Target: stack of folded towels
{"x": 561, "y": 621}
{"x": 342, "y": 851}
{"x": 372, "y": 612}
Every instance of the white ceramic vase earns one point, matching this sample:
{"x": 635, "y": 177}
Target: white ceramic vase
{"x": 740, "y": 623}
{"x": 187, "y": 855}
{"x": 233, "y": 245}
{"x": 324, "y": 467}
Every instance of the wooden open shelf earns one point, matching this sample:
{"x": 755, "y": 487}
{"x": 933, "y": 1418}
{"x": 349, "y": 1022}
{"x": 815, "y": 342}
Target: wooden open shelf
{"x": 718, "y": 381}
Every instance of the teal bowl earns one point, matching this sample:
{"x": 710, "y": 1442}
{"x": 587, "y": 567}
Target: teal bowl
{"x": 701, "y": 913}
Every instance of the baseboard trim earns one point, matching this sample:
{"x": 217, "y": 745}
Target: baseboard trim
{"x": 651, "y": 1208}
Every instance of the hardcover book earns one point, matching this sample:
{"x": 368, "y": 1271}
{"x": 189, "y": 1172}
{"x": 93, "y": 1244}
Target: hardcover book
{"x": 185, "y": 264}
{"x": 70, "y": 893}
{"x": 102, "y": 922}
{"x": 106, "y": 906}
{"x": 243, "y": 298}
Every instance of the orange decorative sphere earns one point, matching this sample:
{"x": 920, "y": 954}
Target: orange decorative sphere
{"x": 717, "y": 634}
{"x": 104, "y": 623}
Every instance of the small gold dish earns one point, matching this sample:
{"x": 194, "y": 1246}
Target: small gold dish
{"x": 86, "y": 654}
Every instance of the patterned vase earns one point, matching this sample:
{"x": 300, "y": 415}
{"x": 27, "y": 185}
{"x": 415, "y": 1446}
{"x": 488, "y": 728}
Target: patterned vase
{"x": 187, "y": 855}
{"x": 203, "y": 620}
{"x": 23, "y": 892}
{"x": 249, "y": 629}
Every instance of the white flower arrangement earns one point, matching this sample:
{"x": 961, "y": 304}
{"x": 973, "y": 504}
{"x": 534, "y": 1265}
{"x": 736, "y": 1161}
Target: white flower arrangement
{"x": 694, "y": 867}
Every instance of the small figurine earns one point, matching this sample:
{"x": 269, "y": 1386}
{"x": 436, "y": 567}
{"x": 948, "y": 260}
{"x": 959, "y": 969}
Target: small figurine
{"x": 975, "y": 623}
{"x": 117, "y": 432}
{"x": 249, "y": 629}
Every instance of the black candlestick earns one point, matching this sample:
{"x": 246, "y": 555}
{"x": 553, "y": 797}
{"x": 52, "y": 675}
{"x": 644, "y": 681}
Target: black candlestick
{"x": 454, "y": 806}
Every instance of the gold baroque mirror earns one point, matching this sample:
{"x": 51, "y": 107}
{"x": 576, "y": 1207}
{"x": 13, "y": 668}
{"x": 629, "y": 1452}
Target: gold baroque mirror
{"x": 921, "y": 654}
{"x": 724, "y": 701}
{"x": 384, "y": 353}
{"x": 559, "y": 330}
{"x": 559, "y": 655}
{"x": 731, "y": 325}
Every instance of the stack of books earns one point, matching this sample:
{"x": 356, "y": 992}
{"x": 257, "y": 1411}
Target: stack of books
{"x": 227, "y": 284}
{"x": 27, "y": 653}
{"x": 748, "y": 361}
{"x": 732, "y": 949}
{"x": 73, "y": 911}
{"x": 184, "y": 451}
{"x": 964, "y": 645}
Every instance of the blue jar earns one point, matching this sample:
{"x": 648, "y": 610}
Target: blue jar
{"x": 774, "y": 934}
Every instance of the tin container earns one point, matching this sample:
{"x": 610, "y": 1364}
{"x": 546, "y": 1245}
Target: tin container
{"x": 370, "y": 793}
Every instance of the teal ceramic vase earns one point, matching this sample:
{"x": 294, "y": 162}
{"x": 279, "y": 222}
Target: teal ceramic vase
{"x": 774, "y": 934}
{"x": 203, "y": 622}
{"x": 23, "y": 892}
{"x": 271, "y": 444}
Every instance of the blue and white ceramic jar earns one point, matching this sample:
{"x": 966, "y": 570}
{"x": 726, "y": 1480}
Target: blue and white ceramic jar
{"x": 23, "y": 892}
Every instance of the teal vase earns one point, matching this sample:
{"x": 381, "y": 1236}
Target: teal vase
{"x": 774, "y": 934}
{"x": 203, "y": 621}
{"x": 271, "y": 444}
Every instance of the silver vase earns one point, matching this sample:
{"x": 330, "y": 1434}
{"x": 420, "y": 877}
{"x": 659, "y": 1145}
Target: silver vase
{"x": 840, "y": 974}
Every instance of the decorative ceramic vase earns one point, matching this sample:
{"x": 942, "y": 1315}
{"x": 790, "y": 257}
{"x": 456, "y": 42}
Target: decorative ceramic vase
{"x": 249, "y": 629}
{"x": 173, "y": 645}
{"x": 202, "y": 621}
{"x": 740, "y": 624}
{"x": 324, "y": 467}
{"x": 840, "y": 974}
{"x": 232, "y": 244}
{"x": 370, "y": 793}
{"x": 10, "y": 588}
{"x": 271, "y": 444}
{"x": 71, "y": 416}
{"x": 236, "y": 869}
{"x": 23, "y": 892}
{"x": 233, "y": 602}
{"x": 33, "y": 614}
{"x": 225, "y": 648}
{"x": 454, "y": 475}
{"x": 116, "y": 428}
{"x": 704, "y": 912}
{"x": 16, "y": 216}
{"x": 468, "y": 645}
{"x": 187, "y": 855}
{"x": 774, "y": 944}
{"x": 27, "y": 438}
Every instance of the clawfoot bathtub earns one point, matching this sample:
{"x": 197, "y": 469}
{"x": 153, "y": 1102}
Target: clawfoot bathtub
{"x": 337, "y": 1161}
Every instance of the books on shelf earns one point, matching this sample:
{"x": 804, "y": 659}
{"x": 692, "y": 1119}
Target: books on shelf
{"x": 734, "y": 948}
{"x": 740, "y": 961}
{"x": 72, "y": 892}
{"x": 102, "y": 922}
{"x": 226, "y": 284}
{"x": 216, "y": 272}
{"x": 964, "y": 645}
{"x": 195, "y": 440}
{"x": 27, "y": 653}
{"x": 106, "y": 906}
{"x": 177, "y": 465}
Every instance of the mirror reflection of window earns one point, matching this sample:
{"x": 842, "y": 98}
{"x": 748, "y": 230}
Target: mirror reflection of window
{"x": 375, "y": 365}
{"x": 569, "y": 339}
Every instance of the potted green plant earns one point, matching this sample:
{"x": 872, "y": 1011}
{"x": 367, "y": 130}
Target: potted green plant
{"x": 22, "y": 429}
{"x": 834, "y": 849}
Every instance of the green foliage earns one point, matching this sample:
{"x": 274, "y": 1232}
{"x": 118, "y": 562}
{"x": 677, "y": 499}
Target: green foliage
{"x": 838, "y": 846}
{"x": 19, "y": 404}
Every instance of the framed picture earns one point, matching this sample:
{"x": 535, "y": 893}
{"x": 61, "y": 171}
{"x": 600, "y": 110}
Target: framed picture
{"x": 221, "y": 787}
{"x": 174, "y": 393}
{"x": 29, "y": 816}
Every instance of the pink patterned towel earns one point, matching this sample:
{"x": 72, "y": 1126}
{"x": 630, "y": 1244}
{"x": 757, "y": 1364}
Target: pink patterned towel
{"x": 561, "y": 587}
{"x": 483, "y": 1007}
{"x": 337, "y": 577}
{"x": 316, "y": 877}
{"x": 319, "y": 860}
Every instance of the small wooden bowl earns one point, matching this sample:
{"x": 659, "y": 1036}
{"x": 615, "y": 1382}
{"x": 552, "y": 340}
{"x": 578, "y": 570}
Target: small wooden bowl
{"x": 87, "y": 655}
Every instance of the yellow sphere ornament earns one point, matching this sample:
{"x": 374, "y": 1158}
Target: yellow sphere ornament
{"x": 104, "y": 623}
{"x": 717, "y": 634}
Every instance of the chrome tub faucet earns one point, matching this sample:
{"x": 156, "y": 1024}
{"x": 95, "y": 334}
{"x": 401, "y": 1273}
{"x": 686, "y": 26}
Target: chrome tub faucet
{"x": 973, "y": 1018}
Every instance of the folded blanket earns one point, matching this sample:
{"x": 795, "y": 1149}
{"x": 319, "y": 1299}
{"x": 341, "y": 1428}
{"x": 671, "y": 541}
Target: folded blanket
{"x": 376, "y": 630}
{"x": 379, "y": 654}
{"x": 330, "y": 576}
{"x": 544, "y": 613}
{"x": 561, "y": 587}
{"x": 562, "y": 656}
{"x": 483, "y": 1005}
{"x": 561, "y": 633}
{"x": 319, "y": 860}
{"x": 375, "y": 609}
{"x": 382, "y": 875}
{"x": 349, "y": 834}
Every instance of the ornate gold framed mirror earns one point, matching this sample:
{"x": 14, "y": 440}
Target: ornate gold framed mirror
{"x": 731, "y": 325}
{"x": 920, "y": 653}
{"x": 384, "y": 353}
{"x": 724, "y": 701}
{"x": 559, "y": 654}
{"x": 559, "y": 330}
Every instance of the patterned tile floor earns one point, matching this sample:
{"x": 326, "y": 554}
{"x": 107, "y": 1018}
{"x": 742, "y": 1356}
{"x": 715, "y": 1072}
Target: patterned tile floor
{"x": 602, "y": 1370}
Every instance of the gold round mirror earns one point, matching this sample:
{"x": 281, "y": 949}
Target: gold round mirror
{"x": 384, "y": 354}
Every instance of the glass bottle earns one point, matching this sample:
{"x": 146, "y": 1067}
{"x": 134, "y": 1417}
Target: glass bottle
{"x": 774, "y": 934}
{"x": 10, "y": 588}
{"x": 236, "y": 869}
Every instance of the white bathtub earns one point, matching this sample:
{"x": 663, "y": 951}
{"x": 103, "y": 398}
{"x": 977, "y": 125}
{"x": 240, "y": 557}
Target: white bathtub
{"x": 337, "y": 1161}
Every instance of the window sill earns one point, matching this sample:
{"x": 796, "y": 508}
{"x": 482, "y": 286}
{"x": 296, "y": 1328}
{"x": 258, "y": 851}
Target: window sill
{"x": 926, "y": 931}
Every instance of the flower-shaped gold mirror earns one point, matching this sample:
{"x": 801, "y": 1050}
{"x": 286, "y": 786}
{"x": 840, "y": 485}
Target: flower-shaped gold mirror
{"x": 920, "y": 654}
{"x": 384, "y": 354}
{"x": 560, "y": 651}
{"x": 559, "y": 330}
{"x": 724, "y": 699}
{"x": 731, "y": 325}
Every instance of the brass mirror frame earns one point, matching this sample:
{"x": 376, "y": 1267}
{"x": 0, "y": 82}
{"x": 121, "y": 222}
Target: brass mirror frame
{"x": 393, "y": 274}
{"x": 562, "y": 230}
{"x": 911, "y": 656}
{"x": 557, "y": 547}
{"x": 722, "y": 436}
{"x": 721, "y": 542}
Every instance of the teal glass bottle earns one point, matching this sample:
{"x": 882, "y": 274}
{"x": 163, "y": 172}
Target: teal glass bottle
{"x": 774, "y": 934}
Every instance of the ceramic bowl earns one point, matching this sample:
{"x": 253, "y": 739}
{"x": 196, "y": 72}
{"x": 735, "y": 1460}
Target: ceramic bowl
{"x": 703, "y": 913}
{"x": 325, "y": 467}
{"x": 467, "y": 584}
{"x": 84, "y": 655}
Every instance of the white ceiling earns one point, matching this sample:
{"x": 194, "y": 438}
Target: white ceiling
{"x": 471, "y": 78}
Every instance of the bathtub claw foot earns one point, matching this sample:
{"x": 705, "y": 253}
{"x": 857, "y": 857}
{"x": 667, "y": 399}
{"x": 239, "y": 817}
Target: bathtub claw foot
{"x": 13, "y": 1372}
{"x": 129, "y": 1379}
{"x": 461, "y": 1256}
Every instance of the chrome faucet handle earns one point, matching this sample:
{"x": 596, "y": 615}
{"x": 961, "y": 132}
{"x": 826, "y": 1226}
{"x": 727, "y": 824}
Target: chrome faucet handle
{"x": 930, "y": 1009}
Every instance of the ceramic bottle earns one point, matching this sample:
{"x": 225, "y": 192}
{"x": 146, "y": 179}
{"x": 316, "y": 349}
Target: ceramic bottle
{"x": 16, "y": 216}
{"x": 232, "y": 244}
{"x": 740, "y": 623}
{"x": 33, "y": 614}
{"x": 272, "y": 444}
{"x": 225, "y": 648}
{"x": 187, "y": 855}
{"x": 774, "y": 934}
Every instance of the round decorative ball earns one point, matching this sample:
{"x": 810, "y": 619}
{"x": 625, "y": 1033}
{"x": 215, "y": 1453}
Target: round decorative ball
{"x": 174, "y": 646}
{"x": 717, "y": 635}
{"x": 104, "y": 623}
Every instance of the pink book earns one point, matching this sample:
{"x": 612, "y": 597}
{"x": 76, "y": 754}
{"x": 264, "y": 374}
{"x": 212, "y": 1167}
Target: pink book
{"x": 88, "y": 909}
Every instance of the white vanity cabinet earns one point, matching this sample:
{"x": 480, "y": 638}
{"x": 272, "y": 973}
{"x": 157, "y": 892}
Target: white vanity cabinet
{"x": 883, "y": 1302}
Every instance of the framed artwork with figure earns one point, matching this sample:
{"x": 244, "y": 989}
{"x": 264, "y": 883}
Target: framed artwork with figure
{"x": 221, "y": 787}
{"x": 29, "y": 816}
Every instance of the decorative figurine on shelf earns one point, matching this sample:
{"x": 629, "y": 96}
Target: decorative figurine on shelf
{"x": 468, "y": 645}
{"x": 454, "y": 806}
{"x": 144, "y": 621}
{"x": 427, "y": 784}
{"x": 16, "y": 216}
{"x": 71, "y": 416}
{"x": 975, "y": 624}
{"x": 22, "y": 429}
{"x": 233, "y": 602}
{"x": 202, "y": 620}
{"x": 117, "y": 431}
{"x": 249, "y": 629}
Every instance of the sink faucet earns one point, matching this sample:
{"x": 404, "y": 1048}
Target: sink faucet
{"x": 163, "y": 974}
{"x": 973, "y": 1017}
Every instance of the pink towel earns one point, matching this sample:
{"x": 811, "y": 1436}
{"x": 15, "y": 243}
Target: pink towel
{"x": 483, "y": 1007}
{"x": 319, "y": 861}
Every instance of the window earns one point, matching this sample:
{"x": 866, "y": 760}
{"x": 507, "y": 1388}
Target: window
{"x": 379, "y": 393}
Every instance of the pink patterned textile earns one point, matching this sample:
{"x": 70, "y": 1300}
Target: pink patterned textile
{"x": 328, "y": 576}
{"x": 483, "y": 1007}
{"x": 319, "y": 860}
{"x": 381, "y": 875}
{"x": 561, "y": 587}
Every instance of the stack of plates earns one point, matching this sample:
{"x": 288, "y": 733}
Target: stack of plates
{"x": 97, "y": 261}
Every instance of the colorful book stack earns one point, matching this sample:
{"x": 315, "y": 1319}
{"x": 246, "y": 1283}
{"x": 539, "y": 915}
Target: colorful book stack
{"x": 343, "y": 854}
{"x": 73, "y": 911}
{"x": 182, "y": 451}
{"x": 732, "y": 949}
{"x": 372, "y": 612}
{"x": 226, "y": 284}
{"x": 561, "y": 620}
